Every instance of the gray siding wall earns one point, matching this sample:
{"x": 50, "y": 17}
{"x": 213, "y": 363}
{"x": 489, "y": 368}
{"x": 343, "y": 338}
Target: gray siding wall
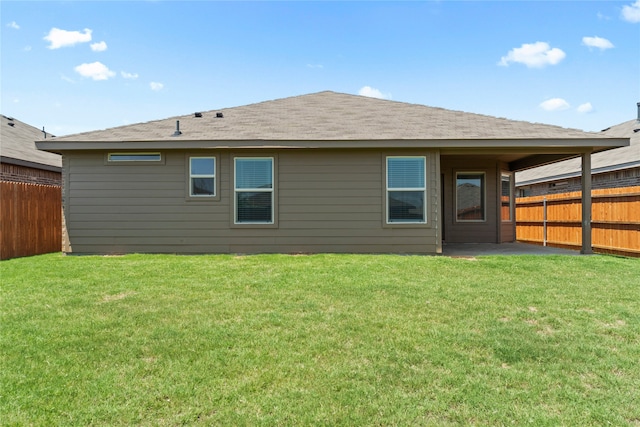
{"x": 327, "y": 201}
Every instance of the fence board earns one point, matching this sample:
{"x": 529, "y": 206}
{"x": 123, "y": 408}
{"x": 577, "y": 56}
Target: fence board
{"x": 615, "y": 220}
{"x": 31, "y": 219}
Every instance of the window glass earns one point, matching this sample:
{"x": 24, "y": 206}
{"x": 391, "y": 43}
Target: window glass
{"x": 406, "y": 191}
{"x": 202, "y": 176}
{"x": 405, "y": 172}
{"x": 470, "y": 197}
{"x": 254, "y": 207}
{"x": 134, "y": 157}
{"x": 254, "y": 173}
{"x": 254, "y": 191}
{"x": 505, "y": 197}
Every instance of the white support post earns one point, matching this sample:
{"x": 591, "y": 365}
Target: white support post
{"x": 586, "y": 204}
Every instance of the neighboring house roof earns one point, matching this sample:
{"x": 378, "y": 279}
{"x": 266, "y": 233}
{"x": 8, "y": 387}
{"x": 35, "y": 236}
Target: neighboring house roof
{"x": 330, "y": 119}
{"x": 18, "y": 146}
{"x": 606, "y": 161}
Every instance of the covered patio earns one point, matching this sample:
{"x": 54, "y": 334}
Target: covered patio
{"x": 509, "y": 248}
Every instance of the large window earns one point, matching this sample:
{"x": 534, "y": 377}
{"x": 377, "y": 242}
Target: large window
{"x": 505, "y": 197}
{"x": 470, "y": 196}
{"x": 253, "y": 190}
{"x": 202, "y": 176}
{"x": 406, "y": 189}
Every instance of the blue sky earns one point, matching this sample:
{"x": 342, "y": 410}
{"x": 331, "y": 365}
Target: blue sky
{"x": 74, "y": 66}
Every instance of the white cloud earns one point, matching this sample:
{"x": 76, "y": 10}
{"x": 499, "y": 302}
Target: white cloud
{"x": 631, "y": 13}
{"x": 156, "y": 86}
{"x": 373, "y": 93}
{"x": 598, "y": 42}
{"x": 130, "y": 76}
{"x": 61, "y": 38}
{"x": 95, "y": 70}
{"x": 535, "y": 55}
{"x": 27, "y": 49}
{"x": 14, "y": 25}
{"x": 585, "y": 108}
{"x": 98, "y": 47}
{"x": 315, "y": 66}
{"x": 555, "y": 104}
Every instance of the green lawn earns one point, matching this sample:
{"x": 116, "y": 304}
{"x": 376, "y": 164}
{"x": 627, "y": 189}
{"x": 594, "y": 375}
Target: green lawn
{"x": 320, "y": 340}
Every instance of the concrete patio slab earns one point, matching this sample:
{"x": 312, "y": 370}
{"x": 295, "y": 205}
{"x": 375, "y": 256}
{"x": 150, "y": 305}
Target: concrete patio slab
{"x": 515, "y": 248}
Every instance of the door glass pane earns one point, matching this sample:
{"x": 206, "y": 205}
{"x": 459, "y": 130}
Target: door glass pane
{"x": 470, "y": 197}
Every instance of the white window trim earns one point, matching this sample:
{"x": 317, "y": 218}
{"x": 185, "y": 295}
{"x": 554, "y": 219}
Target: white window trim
{"x": 423, "y": 189}
{"x": 191, "y": 176}
{"x": 484, "y": 196}
{"x": 250, "y": 190}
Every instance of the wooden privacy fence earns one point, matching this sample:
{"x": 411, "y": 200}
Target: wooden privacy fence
{"x": 556, "y": 220}
{"x": 31, "y": 221}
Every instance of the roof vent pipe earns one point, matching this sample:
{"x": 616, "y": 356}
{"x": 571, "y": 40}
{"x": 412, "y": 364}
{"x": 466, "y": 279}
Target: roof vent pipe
{"x": 44, "y": 132}
{"x": 219, "y": 115}
{"x": 638, "y": 111}
{"x": 177, "y": 132}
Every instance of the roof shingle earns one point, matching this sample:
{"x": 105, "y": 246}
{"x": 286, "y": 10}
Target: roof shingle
{"x": 331, "y": 116}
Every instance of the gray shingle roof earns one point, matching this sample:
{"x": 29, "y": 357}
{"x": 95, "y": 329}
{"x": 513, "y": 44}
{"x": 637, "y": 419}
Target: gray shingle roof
{"x": 18, "y": 146}
{"x": 331, "y": 116}
{"x": 615, "y": 159}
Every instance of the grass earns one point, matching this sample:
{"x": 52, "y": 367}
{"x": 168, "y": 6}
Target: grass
{"x": 319, "y": 340}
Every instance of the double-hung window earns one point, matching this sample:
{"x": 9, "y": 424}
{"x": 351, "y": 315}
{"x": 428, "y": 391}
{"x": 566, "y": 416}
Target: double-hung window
{"x": 253, "y": 188}
{"x": 202, "y": 176}
{"x": 406, "y": 190}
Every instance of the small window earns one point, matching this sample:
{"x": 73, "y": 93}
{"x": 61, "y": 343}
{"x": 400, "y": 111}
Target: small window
{"x": 134, "y": 157}
{"x": 406, "y": 189}
{"x": 505, "y": 197}
{"x": 254, "y": 191}
{"x": 202, "y": 176}
{"x": 470, "y": 195}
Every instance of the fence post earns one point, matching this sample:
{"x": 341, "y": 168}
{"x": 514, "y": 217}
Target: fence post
{"x": 544, "y": 221}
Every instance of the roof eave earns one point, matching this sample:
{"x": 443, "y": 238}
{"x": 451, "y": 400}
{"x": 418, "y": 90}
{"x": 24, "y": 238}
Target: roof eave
{"x": 30, "y": 164}
{"x": 595, "y": 144}
{"x": 575, "y": 174}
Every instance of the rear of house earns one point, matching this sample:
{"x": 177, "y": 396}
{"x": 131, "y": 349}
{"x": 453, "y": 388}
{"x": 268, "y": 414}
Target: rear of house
{"x": 248, "y": 201}
{"x": 324, "y": 172}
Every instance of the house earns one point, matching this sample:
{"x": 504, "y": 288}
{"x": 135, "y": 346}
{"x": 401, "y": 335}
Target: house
{"x": 615, "y": 168}
{"x": 30, "y": 203}
{"x": 20, "y": 160}
{"x": 324, "y": 172}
